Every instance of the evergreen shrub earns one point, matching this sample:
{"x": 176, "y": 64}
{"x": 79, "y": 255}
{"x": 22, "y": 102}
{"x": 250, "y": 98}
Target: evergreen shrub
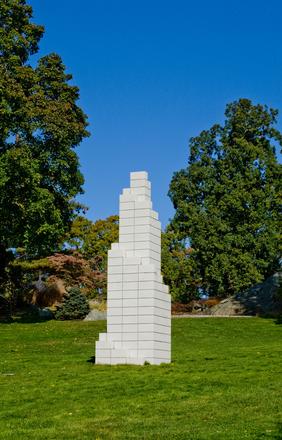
{"x": 74, "y": 306}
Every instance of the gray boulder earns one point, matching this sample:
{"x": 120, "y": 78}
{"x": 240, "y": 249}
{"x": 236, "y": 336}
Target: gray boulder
{"x": 261, "y": 299}
{"x": 45, "y": 313}
{"x": 95, "y": 315}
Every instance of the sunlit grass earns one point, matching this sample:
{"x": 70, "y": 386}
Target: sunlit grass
{"x": 224, "y": 382}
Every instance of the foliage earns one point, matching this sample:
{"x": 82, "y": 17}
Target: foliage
{"x": 40, "y": 125}
{"x": 227, "y": 199}
{"x": 94, "y": 240}
{"x": 74, "y": 306}
{"x": 76, "y": 271}
{"x": 44, "y": 281}
{"x": 224, "y": 383}
{"x": 179, "y": 268}
{"x": 81, "y": 263}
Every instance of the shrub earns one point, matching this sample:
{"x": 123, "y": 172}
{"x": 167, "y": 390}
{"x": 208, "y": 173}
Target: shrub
{"x": 74, "y": 306}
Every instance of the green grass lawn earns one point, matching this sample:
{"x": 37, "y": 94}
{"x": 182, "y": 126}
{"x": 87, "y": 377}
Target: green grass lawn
{"x": 225, "y": 382}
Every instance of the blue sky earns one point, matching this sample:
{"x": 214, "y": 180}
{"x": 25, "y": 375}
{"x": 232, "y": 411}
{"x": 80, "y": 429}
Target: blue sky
{"x": 154, "y": 73}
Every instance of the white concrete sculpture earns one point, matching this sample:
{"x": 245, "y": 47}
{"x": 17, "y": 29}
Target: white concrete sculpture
{"x": 139, "y": 305}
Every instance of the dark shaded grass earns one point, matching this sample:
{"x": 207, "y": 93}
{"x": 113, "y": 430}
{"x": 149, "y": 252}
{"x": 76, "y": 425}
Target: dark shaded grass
{"x": 224, "y": 383}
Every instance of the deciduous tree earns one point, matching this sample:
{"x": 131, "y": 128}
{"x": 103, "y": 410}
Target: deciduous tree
{"x": 227, "y": 199}
{"x": 40, "y": 126}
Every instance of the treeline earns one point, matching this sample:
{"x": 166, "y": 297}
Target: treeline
{"x": 225, "y": 235}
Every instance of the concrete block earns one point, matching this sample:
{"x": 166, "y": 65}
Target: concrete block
{"x": 129, "y": 213}
{"x": 112, "y": 261}
{"x": 130, "y": 345}
{"x": 130, "y": 294}
{"x": 130, "y": 311}
{"x": 146, "y": 204}
{"x": 130, "y": 285}
{"x": 103, "y": 345}
{"x": 142, "y": 192}
{"x": 114, "y": 311}
{"x": 114, "y": 278}
{"x": 156, "y": 231}
{"x": 128, "y": 246}
{"x": 130, "y": 328}
{"x": 115, "y": 246}
{"x": 124, "y": 222}
{"x": 147, "y": 319}
{"x": 126, "y": 206}
{"x": 142, "y": 245}
{"x": 103, "y": 361}
{"x": 114, "y": 286}
{"x": 155, "y": 224}
{"x": 144, "y": 294}
{"x": 138, "y": 175}
{"x": 114, "y": 294}
{"x": 130, "y": 277}
{"x": 125, "y": 230}
{"x": 103, "y": 337}
{"x": 114, "y": 319}
{"x": 150, "y": 276}
{"x": 115, "y": 253}
{"x": 156, "y": 240}
{"x": 130, "y": 336}
{"x": 116, "y": 337}
{"x": 114, "y": 328}
{"x": 130, "y": 269}
{"x": 147, "y": 268}
{"x": 129, "y": 197}
{"x": 143, "y": 213}
{"x": 142, "y": 229}
{"x": 130, "y": 302}
{"x": 142, "y": 221}
{"x": 135, "y": 361}
{"x": 118, "y": 353}
{"x": 131, "y": 261}
{"x": 127, "y": 238}
{"x": 139, "y": 183}
{"x": 143, "y": 253}
{"x": 115, "y": 270}
{"x": 118, "y": 361}
{"x": 146, "y": 285}
{"x": 141, "y": 237}
{"x": 130, "y": 319}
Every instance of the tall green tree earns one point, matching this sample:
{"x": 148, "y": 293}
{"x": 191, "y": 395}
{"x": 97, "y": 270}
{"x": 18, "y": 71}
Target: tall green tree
{"x": 40, "y": 126}
{"x": 179, "y": 268}
{"x": 228, "y": 199}
{"x": 94, "y": 239}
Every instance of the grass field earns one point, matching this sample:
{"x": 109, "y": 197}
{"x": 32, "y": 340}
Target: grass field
{"x": 225, "y": 382}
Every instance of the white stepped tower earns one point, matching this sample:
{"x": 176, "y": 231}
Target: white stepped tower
{"x": 139, "y": 305}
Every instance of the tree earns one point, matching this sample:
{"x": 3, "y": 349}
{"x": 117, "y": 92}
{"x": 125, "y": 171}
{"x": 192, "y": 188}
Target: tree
{"x": 74, "y": 306}
{"x": 93, "y": 240}
{"x": 40, "y": 126}
{"x": 179, "y": 268}
{"x": 227, "y": 199}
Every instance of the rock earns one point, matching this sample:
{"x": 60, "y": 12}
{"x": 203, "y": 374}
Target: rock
{"x": 45, "y": 313}
{"x": 95, "y": 315}
{"x": 228, "y": 307}
{"x": 261, "y": 299}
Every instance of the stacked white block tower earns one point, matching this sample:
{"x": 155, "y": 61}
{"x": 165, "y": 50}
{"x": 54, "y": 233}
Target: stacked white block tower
{"x": 139, "y": 305}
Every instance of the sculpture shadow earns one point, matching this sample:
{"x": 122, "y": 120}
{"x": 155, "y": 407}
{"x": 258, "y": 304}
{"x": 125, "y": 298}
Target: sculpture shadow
{"x": 92, "y": 360}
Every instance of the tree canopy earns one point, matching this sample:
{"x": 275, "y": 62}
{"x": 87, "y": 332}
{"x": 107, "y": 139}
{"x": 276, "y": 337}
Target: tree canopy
{"x": 227, "y": 199}
{"x": 94, "y": 239}
{"x": 40, "y": 126}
